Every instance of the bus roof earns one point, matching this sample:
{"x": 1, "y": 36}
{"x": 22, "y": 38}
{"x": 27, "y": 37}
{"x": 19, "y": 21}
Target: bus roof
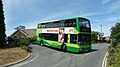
{"x": 48, "y": 21}
{"x": 63, "y": 19}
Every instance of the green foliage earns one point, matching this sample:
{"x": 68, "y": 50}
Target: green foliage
{"x": 33, "y": 39}
{"x": 115, "y": 29}
{"x": 115, "y": 33}
{"x": 94, "y": 36}
{"x": 114, "y": 49}
{"x": 2, "y": 24}
{"x": 114, "y": 56}
{"x": 24, "y": 42}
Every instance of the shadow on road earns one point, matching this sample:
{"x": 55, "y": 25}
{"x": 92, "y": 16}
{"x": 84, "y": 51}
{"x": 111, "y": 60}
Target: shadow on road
{"x": 93, "y": 50}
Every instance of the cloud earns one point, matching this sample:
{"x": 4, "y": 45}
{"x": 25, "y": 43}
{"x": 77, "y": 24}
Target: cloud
{"x": 114, "y": 6}
{"x": 89, "y": 14}
{"x": 42, "y": 10}
{"x": 110, "y": 19}
{"x": 9, "y": 4}
{"x": 57, "y": 15}
{"x": 105, "y": 27}
{"x": 107, "y": 23}
{"x": 105, "y": 1}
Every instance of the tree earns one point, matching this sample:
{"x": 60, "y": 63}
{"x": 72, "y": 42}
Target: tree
{"x": 2, "y": 24}
{"x": 113, "y": 59}
{"x": 94, "y": 36}
{"x": 115, "y": 34}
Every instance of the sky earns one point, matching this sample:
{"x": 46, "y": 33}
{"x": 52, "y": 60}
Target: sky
{"x": 29, "y": 12}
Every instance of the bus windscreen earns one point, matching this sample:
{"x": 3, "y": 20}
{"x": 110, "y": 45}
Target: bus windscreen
{"x": 84, "y": 25}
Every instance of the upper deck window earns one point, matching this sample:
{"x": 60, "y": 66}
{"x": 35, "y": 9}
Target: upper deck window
{"x": 61, "y": 23}
{"x": 70, "y": 23}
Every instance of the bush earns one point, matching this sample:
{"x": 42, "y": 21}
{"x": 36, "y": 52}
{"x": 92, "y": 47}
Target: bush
{"x": 23, "y": 42}
{"x": 115, "y": 34}
{"x": 93, "y": 42}
{"x": 114, "y": 56}
{"x": 33, "y": 39}
{"x": 94, "y": 37}
{"x": 26, "y": 41}
{"x": 114, "y": 49}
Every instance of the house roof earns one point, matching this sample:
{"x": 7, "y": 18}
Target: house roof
{"x": 29, "y": 32}
{"x": 107, "y": 37}
{"x": 26, "y": 32}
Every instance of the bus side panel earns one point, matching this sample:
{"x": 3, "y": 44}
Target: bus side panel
{"x": 73, "y": 47}
{"x": 77, "y": 23}
{"x": 85, "y": 48}
{"x": 70, "y": 47}
{"x": 52, "y": 44}
{"x": 38, "y": 40}
{"x": 37, "y": 34}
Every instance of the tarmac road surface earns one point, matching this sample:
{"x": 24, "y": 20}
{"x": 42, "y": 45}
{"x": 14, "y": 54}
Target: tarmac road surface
{"x": 46, "y": 57}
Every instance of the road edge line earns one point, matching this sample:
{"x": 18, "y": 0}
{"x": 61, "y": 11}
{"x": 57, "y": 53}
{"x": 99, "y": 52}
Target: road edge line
{"x": 105, "y": 60}
{"x": 13, "y": 63}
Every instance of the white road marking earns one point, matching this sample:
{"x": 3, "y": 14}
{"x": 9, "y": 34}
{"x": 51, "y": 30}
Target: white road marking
{"x": 104, "y": 60}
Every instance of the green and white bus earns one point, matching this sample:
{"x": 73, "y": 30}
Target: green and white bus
{"x": 72, "y": 34}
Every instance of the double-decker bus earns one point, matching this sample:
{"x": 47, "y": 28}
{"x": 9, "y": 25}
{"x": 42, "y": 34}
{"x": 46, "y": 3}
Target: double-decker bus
{"x": 72, "y": 34}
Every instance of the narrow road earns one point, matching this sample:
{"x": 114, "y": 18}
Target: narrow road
{"x": 46, "y": 57}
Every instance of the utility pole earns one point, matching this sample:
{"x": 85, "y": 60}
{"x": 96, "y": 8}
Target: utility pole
{"x": 101, "y": 28}
{"x": 101, "y": 35}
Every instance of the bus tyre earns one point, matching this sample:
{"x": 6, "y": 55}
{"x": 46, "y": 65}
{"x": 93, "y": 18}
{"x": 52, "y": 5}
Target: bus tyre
{"x": 41, "y": 43}
{"x": 64, "y": 47}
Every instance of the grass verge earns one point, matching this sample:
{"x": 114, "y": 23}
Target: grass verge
{"x": 10, "y": 55}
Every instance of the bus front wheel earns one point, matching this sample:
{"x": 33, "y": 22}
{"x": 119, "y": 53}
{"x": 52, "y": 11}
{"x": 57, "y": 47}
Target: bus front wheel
{"x": 41, "y": 43}
{"x": 64, "y": 47}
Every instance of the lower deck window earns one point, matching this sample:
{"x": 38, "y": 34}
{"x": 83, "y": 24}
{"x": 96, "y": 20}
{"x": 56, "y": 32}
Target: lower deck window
{"x": 73, "y": 38}
{"x": 84, "y": 39}
{"x": 47, "y": 36}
